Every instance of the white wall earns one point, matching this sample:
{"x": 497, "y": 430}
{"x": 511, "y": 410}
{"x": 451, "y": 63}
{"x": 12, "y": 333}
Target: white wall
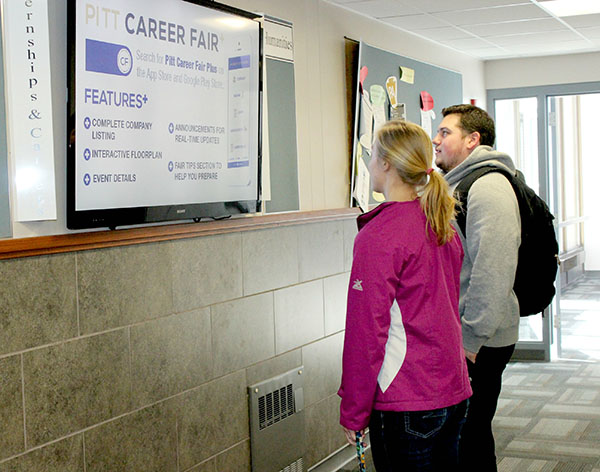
{"x": 319, "y": 30}
{"x": 547, "y": 70}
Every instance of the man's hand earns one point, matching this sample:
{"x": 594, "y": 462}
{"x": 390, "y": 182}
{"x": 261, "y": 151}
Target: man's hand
{"x": 351, "y": 435}
{"x": 471, "y": 356}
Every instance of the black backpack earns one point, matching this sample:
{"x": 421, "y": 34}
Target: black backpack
{"x": 538, "y": 252}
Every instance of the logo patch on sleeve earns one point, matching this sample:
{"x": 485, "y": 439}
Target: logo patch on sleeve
{"x": 357, "y": 285}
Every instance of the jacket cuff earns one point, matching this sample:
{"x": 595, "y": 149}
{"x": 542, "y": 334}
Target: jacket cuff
{"x": 471, "y": 342}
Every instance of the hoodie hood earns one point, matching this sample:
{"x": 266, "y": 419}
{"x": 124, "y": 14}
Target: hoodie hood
{"x": 480, "y": 157}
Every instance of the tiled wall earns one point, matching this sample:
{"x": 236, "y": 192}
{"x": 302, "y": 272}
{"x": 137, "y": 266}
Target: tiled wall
{"x": 138, "y": 358}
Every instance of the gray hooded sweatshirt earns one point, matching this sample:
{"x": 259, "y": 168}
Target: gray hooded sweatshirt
{"x": 488, "y": 306}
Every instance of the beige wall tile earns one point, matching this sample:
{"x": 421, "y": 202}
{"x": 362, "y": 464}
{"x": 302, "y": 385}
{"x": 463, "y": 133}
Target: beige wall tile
{"x": 270, "y": 259}
{"x": 324, "y": 434}
{"x": 337, "y": 438}
{"x": 206, "y": 270}
{"x": 237, "y": 458}
{"x": 75, "y": 385}
{"x": 212, "y": 418}
{"x": 298, "y": 315}
{"x": 274, "y": 367}
{"x": 323, "y": 368}
{"x": 350, "y": 232}
{"x": 37, "y": 301}
{"x": 113, "y": 294}
{"x": 208, "y": 466}
{"x": 63, "y": 456}
{"x": 243, "y": 332}
{"x": 320, "y": 249}
{"x": 12, "y": 440}
{"x": 170, "y": 355}
{"x": 335, "y": 295}
{"x": 144, "y": 441}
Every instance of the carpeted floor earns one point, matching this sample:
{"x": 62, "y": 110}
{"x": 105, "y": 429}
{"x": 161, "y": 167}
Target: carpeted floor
{"x": 548, "y": 417}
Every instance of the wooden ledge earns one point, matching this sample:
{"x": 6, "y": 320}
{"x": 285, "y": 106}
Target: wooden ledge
{"x": 72, "y": 242}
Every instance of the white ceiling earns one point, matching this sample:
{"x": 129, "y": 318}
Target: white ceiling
{"x": 487, "y": 29}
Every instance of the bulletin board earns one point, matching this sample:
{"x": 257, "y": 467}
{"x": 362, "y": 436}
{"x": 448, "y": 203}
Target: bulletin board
{"x": 376, "y": 66}
{"x": 280, "y": 151}
{"x": 283, "y": 164}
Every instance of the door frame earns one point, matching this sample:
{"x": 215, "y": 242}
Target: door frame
{"x": 548, "y": 184}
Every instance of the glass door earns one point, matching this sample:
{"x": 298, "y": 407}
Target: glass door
{"x": 572, "y": 146}
{"x": 564, "y": 128}
{"x": 517, "y": 135}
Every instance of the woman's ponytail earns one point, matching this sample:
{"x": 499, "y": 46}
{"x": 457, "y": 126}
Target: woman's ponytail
{"x": 439, "y": 207}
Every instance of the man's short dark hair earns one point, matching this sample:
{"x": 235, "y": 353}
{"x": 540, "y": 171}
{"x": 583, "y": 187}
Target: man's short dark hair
{"x": 473, "y": 119}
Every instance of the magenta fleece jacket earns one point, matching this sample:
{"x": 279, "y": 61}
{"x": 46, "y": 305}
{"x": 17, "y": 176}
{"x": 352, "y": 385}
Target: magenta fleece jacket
{"x": 403, "y": 344}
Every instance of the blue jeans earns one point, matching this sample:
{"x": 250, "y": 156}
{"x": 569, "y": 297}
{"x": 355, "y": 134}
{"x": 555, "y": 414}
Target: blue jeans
{"x": 417, "y": 440}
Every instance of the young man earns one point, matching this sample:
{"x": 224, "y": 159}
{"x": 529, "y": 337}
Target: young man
{"x": 488, "y": 306}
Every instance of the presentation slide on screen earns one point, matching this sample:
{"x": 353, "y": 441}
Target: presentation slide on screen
{"x": 166, "y": 104}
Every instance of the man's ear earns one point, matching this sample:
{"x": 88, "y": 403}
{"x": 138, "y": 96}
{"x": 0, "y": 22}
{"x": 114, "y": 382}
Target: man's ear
{"x": 473, "y": 140}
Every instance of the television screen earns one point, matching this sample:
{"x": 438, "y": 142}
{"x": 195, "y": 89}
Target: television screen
{"x": 164, "y": 112}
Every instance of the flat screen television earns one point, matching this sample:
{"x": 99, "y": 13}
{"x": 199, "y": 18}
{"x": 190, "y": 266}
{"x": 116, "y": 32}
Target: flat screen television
{"x": 164, "y": 112}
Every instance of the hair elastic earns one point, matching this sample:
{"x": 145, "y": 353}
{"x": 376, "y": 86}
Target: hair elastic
{"x": 429, "y": 171}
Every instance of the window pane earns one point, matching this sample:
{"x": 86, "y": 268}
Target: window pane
{"x": 517, "y": 135}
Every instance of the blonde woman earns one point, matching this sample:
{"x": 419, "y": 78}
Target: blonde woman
{"x": 404, "y": 371}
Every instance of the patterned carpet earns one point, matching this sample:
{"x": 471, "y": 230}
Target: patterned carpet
{"x": 548, "y": 417}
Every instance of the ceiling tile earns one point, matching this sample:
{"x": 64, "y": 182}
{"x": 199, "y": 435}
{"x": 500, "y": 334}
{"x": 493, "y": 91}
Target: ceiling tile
{"x": 416, "y": 22}
{"x": 468, "y": 43}
{"x": 443, "y": 34}
{"x": 590, "y": 33}
{"x": 382, "y": 8}
{"x": 492, "y": 15}
{"x": 434, "y": 6}
{"x": 534, "y": 38}
{"x": 516, "y": 27}
{"x": 583, "y": 21}
{"x": 345, "y": 2}
{"x": 489, "y": 53}
{"x": 546, "y": 49}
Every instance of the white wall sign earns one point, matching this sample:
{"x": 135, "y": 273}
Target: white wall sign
{"x": 29, "y": 109}
{"x": 279, "y": 39}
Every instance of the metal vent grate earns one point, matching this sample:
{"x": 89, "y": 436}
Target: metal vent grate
{"x": 297, "y": 466}
{"x": 275, "y": 406}
{"x": 277, "y": 431}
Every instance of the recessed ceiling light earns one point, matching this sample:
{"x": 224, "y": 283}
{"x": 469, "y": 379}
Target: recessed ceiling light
{"x": 571, "y": 7}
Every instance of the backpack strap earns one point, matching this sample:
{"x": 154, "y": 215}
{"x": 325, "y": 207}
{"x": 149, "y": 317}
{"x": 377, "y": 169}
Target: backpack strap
{"x": 461, "y": 193}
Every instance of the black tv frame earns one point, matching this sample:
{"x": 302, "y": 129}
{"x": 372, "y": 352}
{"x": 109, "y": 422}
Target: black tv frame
{"x": 129, "y": 216}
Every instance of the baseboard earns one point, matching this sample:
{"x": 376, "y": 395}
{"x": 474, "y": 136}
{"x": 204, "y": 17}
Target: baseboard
{"x": 339, "y": 458}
